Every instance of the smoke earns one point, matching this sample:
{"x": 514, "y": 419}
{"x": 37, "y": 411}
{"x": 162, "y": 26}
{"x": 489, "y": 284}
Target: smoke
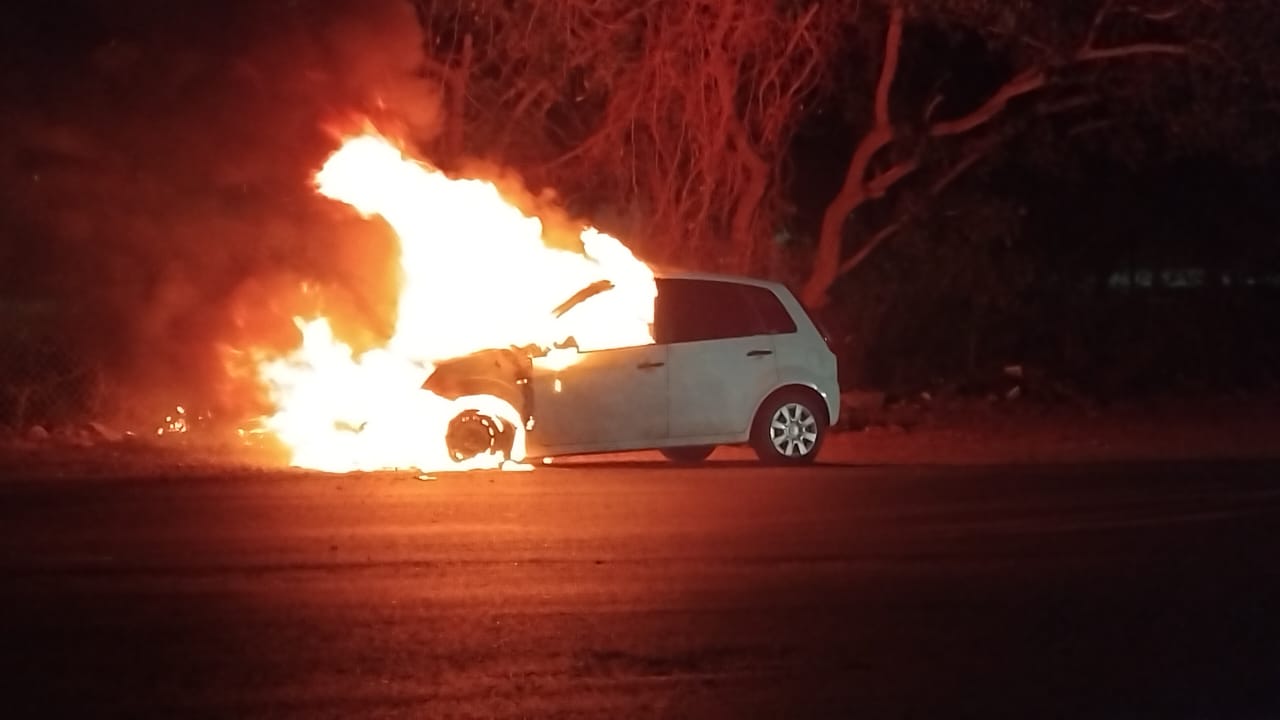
{"x": 157, "y": 192}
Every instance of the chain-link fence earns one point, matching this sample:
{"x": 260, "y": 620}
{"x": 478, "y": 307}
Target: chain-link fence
{"x": 63, "y": 411}
{"x": 46, "y": 380}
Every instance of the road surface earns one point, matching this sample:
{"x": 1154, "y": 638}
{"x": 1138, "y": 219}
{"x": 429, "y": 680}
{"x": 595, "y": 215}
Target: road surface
{"x": 641, "y": 590}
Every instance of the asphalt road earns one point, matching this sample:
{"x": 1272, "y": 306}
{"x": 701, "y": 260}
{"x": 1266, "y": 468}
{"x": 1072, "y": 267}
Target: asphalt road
{"x": 634, "y": 591}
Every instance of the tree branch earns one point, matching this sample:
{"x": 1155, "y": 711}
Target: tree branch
{"x": 1091, "y": 54}
{"x": 1169, "y": 13}
{"x": 1027, "y": 81}
{"x": 1098, "y": 18}
{"x": 855, "y": 184}
{"x": 1034, "y": 78}
{"x": 880, "y": 184}
{"x": 857, "y": 189}
{"x": 971, "y": 158}
{"x": 853, "y": 191}
{"x": 1066, "y": 104}
{"x": 870, "y": 245}
{"x": 889, "y": 70}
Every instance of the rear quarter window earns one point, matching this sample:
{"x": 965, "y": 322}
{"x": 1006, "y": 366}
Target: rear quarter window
{"x": 771, "y": 315}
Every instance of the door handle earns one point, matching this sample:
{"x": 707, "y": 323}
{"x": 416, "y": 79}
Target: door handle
{"x": 759, "y": 353}
{"x": 650, "y": 365}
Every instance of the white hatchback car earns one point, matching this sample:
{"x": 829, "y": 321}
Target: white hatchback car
{"x": 735, "y": 360}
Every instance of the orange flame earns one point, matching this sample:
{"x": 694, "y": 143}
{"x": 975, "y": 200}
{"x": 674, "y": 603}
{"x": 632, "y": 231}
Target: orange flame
{"x": 476, "y": 275}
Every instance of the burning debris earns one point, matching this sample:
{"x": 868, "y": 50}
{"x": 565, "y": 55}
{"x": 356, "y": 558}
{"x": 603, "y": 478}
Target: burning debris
{"x": 176, "y": 422}
{"x": 476, "y": 275}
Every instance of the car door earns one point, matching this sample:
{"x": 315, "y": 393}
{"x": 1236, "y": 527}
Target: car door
{"x": 608, "y": 399}
{"x": 720, "y": 357}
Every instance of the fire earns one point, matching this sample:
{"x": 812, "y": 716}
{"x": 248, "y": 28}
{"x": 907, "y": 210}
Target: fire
{"x": 476, "y": 274}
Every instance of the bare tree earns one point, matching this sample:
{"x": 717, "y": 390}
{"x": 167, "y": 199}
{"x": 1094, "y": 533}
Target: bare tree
{"x": 672, "y": 121}
{"x": 677, "y": 114}
{"x": 1056, "y": 54}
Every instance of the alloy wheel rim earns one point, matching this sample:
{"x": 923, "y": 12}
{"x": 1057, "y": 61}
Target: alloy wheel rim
{"x": 793, "y": 430}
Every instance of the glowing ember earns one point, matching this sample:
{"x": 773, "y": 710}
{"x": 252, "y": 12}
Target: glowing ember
{"x": 476, "y": 275}
{"x": 175, "y": 422}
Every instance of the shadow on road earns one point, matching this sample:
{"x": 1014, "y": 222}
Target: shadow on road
{"x": 708, "y": 466}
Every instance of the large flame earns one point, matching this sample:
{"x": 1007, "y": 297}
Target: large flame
{"x": 476, "y": 274}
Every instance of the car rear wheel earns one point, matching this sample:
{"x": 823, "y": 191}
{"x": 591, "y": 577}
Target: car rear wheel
{"x": 689, "y": 454}
{"x": 789, "y": 429}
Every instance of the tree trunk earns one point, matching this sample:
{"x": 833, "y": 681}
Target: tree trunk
{"x": 742, "y": 230}
{"x": 826, "y": 260}
{"x": 458, "y": 78}
{"x": 853, "y": 192}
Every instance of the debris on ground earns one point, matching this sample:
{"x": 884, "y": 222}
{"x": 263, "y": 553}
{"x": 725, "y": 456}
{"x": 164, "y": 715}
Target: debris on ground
{"x": 874, "y": 410}
{"x": 73, "y": 435}
{"x": 36, "y": 434}
{"x": 104, "y": 432}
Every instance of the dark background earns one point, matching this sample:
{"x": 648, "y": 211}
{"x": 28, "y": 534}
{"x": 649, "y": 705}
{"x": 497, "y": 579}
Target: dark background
{"x": 157, "y": 214}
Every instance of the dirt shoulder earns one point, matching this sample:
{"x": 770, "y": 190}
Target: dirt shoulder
{"x": 953, "y": 433}
{"x": 983, "y": 432}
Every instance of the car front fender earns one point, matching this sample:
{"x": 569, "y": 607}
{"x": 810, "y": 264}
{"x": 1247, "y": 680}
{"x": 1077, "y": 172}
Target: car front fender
{"x": 501, "y": 373}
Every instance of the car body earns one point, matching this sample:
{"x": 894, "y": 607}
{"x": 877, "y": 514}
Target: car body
{"x": 734, "y": 360}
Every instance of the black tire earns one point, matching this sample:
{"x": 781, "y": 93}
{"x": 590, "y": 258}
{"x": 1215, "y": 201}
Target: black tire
{"x": 470, "y": 434}
{"x": 790, "y": 428}
{"x": 688, "y": 455}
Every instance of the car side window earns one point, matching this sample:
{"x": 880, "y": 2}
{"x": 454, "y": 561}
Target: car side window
{"x": 692, "y": 310}
{"x": 772, "y": 316}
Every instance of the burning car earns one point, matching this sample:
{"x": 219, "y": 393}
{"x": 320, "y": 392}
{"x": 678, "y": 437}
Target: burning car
{"x": 516, "y": 364}
{"x": 733, "y": 361}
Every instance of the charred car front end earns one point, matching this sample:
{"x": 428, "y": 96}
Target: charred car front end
{"x": 500, "y": 373}
{"x": 506, "y": 374}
